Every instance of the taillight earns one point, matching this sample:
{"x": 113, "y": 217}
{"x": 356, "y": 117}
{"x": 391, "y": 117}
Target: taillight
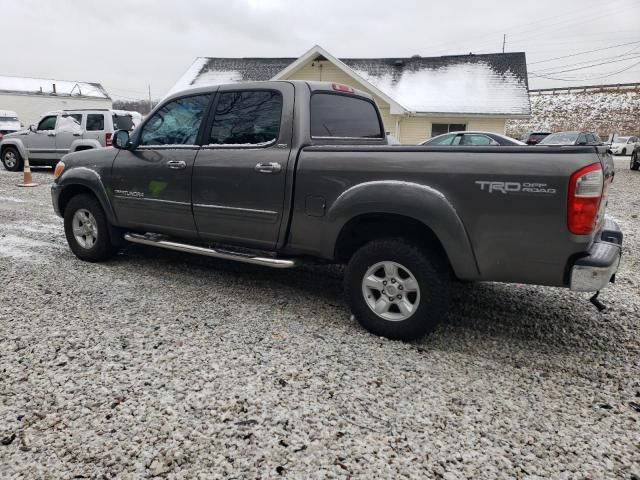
{"x": 108, "y": 139}
{"x": 585, "y": 195}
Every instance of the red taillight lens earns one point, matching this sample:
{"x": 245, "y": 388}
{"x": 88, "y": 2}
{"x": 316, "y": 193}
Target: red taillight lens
{"x": 585, "y": 195}
{"x": 108, "y": 139}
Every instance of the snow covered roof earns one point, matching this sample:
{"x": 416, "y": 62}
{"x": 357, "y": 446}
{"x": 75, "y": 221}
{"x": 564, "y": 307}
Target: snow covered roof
{"x": 488, "y": 84}
{"x": 44, "y": 86}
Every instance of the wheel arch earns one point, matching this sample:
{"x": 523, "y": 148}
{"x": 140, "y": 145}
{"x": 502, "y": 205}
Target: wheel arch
{"x": 16, "y": 143}
{"x": 365, "y": 212}
{"x": 83, "y": 180}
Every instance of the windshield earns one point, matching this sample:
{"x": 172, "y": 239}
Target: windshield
{"x": 122, "y": 122}
{"x": 621, "y": 139}
{"x": 561, "y": 138}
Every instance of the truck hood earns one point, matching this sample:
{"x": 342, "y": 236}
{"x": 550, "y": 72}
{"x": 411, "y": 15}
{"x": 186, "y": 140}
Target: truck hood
{"x": 90, "y": 158}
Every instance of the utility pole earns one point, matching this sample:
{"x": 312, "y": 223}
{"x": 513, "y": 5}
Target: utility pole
{"x": 151, "y": 107}
{"x": 504, "y": 41}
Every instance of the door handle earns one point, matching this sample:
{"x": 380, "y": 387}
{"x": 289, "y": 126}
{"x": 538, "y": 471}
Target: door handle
{"x": 271, "y": 167}
{"x": 52, "y": 134}
{"x": 176, "y": 164}
{"x": 77, "y": 134}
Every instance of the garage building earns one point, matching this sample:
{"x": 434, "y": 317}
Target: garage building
{"x": 32, "y": 97}
{"x": 419, "y": 97}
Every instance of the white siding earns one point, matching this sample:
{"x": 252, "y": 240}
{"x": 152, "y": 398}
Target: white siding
{"x": 31, "y": 107}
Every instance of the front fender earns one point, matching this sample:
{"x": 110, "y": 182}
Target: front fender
{"x": 419, "y": 202}
{"x": 86, "y": 142}
{"x": 76, "y": 180}
{"x": 17, "y": 143}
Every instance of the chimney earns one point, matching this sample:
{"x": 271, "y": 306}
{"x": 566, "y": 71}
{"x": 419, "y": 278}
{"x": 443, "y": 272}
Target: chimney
{"x": 54, "y": 88}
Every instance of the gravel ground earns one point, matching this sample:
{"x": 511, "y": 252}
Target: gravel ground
{"x": 164, "y": 364}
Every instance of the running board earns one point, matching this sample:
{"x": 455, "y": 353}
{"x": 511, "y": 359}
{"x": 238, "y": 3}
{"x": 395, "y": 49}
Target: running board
{"x": 210, "y": 252}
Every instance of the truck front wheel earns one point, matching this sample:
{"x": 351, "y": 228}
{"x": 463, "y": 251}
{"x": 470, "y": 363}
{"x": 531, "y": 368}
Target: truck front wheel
{"x": 87, "y": 229}
{"x": 397, "y": 289}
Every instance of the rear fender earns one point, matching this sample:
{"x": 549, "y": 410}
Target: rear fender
{"x": 419, "y": 202}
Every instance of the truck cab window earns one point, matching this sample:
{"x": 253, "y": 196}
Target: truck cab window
{"x": 176, "y": 123}
{"x": 247, "y": 118}
{"x": 47, "y": 123}
{"x": 342, "y": 116}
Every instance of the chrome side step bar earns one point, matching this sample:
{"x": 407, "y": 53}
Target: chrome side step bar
{"x": 209, "y": 252}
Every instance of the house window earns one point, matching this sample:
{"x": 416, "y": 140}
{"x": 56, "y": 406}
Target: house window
{"x": 440, "y": 128}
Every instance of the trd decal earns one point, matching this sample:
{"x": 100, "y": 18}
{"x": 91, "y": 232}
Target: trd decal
{"x": 515, "y": 187}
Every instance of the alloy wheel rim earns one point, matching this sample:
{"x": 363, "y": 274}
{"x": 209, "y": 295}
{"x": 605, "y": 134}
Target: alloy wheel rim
{"x": 10, "y": 159}
{"x": 85, "y": 228}
{"x": 391, "y": 291}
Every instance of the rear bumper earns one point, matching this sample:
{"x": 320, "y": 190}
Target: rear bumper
{"x": 596, "y": 269}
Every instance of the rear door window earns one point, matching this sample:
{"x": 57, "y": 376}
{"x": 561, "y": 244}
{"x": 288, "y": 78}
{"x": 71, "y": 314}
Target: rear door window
{"x": 95, "y": 122}
{"x": 342, "y": 116}
{"x": 247, "y": 118}
{"x": 443, "y": 140}
{"x": 472, "y": 139}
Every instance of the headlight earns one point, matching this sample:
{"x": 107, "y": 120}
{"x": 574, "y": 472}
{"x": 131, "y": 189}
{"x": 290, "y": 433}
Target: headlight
{"x": 59, "y": 169}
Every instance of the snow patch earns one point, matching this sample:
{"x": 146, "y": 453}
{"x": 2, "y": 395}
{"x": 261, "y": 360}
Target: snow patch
{"x": 461, "y": 88}
{"x": 14, "y": 246}
{"x": 11, "y": 199}
{"x": 63, "y": 87}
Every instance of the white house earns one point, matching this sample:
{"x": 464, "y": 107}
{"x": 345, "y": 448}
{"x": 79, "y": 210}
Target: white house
{"x": 31, "y": 97}
{"x": 419, "y": 97}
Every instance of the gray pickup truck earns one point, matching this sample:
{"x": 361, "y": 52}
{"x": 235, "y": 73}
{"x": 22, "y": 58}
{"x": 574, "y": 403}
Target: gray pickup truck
{"x": 284, "y": 173}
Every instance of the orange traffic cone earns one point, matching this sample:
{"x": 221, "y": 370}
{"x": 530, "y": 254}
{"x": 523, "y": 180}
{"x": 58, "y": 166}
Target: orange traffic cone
{"x": 28, "y": 179}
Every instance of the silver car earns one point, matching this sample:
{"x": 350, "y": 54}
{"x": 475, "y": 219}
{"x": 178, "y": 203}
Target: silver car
{"x": 61, "y": 132}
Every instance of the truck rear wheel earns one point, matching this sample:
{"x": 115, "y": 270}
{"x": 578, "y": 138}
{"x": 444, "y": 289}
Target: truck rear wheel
{"x": 397, "y": 289}
{"x": 11, "y": 159}
{"x": 87, "y": 229}
{"x": 635, "y": 161}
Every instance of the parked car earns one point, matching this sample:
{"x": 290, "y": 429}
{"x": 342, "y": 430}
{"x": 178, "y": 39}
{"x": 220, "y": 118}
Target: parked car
{"x": 284, "y": 173}
{"x": 571, "y": 138}
{"x": 635, "y": 158}
{"x": 471, "y": 138}
{"x": 9, "y": 122}
{"x": 58, "y": 133}
{"x": 533, "y": 138}
{"x": 623, "y": 145}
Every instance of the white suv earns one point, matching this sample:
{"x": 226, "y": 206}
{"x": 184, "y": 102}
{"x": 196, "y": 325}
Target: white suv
{"x": 62, "y": 132}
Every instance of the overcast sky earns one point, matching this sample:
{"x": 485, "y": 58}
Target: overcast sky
{"x": 127, "y": 45}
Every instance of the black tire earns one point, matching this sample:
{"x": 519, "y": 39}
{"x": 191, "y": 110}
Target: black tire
{"x": 12, "y": 160}
{"x": 624, "y": 152}
{"x": 635, "y": 163}
{"x": 432, "y": 276}
{"x": 102, "y": 248}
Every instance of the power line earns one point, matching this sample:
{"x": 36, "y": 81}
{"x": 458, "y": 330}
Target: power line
{"x": 575, "y": 79}
{"x": 588, "y": 66}
{"x": 584, "y": 53}
{"x": 591, "y": 61}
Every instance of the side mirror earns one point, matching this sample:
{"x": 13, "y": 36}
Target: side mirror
{"x": 121, "y": 140}
{"x": 32, "y": 128}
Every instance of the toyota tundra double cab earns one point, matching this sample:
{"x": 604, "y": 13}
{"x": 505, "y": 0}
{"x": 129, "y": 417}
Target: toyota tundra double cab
{"x": 289, "y": 172}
